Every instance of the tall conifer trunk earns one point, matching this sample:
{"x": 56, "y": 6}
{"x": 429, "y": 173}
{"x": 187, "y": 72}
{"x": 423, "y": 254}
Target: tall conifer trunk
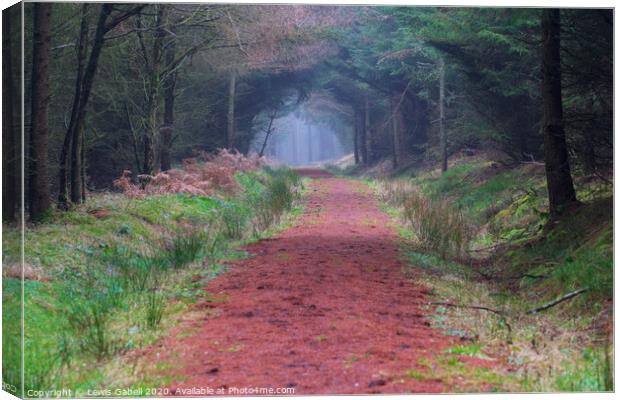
{"x": 230, "y": 134}
{"x": 39, "y": 201}
{"x": 396, "y": 145}
{"x": 559, "y": 181}
{"x": 167, "y": 129}
{"x": 10, "y": 171}
{"x": 367, "y": 133}
{"x": 356, "y": 134}
{"x": 443, "y": 137}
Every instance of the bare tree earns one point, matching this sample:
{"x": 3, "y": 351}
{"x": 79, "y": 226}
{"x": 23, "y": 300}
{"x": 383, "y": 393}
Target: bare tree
{"x": 74, "y": 137}
{"x": 268, "y": 131}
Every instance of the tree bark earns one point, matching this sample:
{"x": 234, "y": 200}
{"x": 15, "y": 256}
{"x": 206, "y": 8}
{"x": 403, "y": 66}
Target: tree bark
{"x": 83, "y": 175}
{"x": 39, "y": 193}
{"x": 153, "y": 95}
{"x": 367, "y": 133}
{"x": 443, "y": 137}
{"x": 10, "y": 172}
{"x": 356, "y": 134}
{"x": 296, "y": 142}
{"x": 395, "y": 135}
{"x": 230, "y": 134}
{"x": 272, "y": 117}
{"x": 167, "y": 130}
{"x": 310, "y": 143}
{"x": 75, "y": 131}
{"x": 362, "y": 138}
{"x": 559, "y": 181}
{"x": 66, "y": 150}
{"x": 77, "y": 140}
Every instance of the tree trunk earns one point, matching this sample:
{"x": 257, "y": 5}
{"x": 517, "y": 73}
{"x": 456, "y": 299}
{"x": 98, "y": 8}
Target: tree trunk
{"x": 39, "y": 192}
{"x": 230, "y": 134}
{"x": 363, "y": 133}
{"x": 296, "y": 143}
{"x": 167, "y": 129}
{"x": 443, "y": 139}
{"x": 267, "y": 134}
{"x": 559, "y": 180}
{"x": 310, "y": 143}
{"x": 10, "y": 171}
{"x": 70, "y": 145}
{"x": 367, "y": 134}
{"x": 75, "y": 132}
{"x": 83, "y": 175}
{"x": 395, "y": 135}
{"x": 77, "y": 144}
{"x": 153, "y": 96}
{"x": 356, "y": 134}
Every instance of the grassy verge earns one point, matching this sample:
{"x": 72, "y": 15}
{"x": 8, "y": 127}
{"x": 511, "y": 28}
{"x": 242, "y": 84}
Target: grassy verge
{"x": 114, "y": 275}
{"x": 511, "y": 265}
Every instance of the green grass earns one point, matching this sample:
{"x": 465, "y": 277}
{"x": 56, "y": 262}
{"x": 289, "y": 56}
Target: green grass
{"x": 461, "y": 377}
{"x": 472, "y": 350}
{"x": 577, "y": 253}
{"x": 532, "y": 265}
{"x": 593, "y": 374}
{"x": 119, "y": 271}
{"x": 455, "y": 181}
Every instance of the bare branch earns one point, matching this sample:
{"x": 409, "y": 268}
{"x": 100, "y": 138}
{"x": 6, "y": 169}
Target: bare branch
{"x": 557, "y": 301}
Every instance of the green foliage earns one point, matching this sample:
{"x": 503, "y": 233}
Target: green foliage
{"x": 593, "y": 374}
{"x": 11, "y": 335}
{"x": 90, "y": 297}
{"x": 436, "y": 224}
{"x": 275, "y": 199}
{"x": 155, "y": 305}
{"x": 576, "y": 254}
{"x": 235, "y": 217}
{"x": 112, "y": 278}
{"x": 472, "y": 350}
{"x": 533, "y": 264}
{"x": 185, "y": 247}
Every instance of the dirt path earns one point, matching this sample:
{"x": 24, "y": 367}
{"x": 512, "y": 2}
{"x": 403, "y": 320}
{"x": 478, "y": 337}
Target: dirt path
{"x": 323, "y": 307}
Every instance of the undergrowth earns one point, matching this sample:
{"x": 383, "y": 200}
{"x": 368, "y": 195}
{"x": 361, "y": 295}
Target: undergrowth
{"x": 513, "y": 262}
{"x": 113, "y": 274}
{"x": 435, "y": 223}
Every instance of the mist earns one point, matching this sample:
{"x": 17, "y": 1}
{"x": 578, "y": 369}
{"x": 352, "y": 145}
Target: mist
{"x": 297, "y": 140}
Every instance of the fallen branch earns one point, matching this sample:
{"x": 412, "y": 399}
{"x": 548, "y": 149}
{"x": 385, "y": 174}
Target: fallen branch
{"x": 557, "y": 301}
{"x": 501, "y": 314}
{"x": 441, "y": 303}
{"x": 531, "y": 276}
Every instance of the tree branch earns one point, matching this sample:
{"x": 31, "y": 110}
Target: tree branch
{"x": 557, "y": 301}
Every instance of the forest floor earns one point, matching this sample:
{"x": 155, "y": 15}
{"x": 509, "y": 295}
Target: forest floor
{"x": 326, "y": 306}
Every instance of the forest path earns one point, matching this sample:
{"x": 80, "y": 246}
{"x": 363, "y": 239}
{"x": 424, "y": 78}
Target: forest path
{"x": 322, "y": 307}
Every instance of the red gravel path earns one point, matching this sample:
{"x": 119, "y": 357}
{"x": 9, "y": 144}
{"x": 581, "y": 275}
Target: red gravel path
{"x": 323, "y": 307}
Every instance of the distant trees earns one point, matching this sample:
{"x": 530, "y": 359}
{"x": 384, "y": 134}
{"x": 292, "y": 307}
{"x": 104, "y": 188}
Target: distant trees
{"x": 150, "y": 82}
{"x": 478, "y": 72}
{"x": 129, "y": 67}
